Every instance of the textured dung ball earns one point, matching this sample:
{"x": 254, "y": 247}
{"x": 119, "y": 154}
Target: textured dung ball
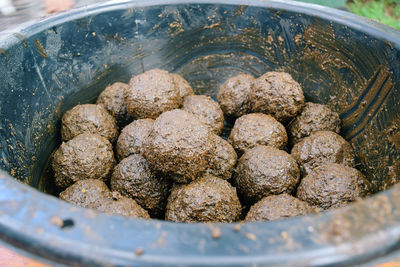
{"x": 120, "y": 205}
{"x": 206, "y": 110}
{"x": 184, "y": 87}
{"x": 88, "y": 193}
{"x": 112, "y": 99}
{"x": 278, "y": 207}
{"x": 86, "y": 156}
{"x": 257, "y": 129}
{"x": 94, "y": 194}
{"x": 264, "y": 171}
{"x": 223, "y": 160}
{"x": 152, "y": 93}
{"x": 314, "y": 117}
{"x": 209, "y": 199}
{"x": 276, "y": 93}
{"x": 333, "y": 185}
{"x": 179, "y": 145}
{"x": 322, "y": 147}
{"x": 133, "y": 178}
{"x": 234, "y": 95}
{"x": 131, "y": 139}
{"x": 88, "y": 118}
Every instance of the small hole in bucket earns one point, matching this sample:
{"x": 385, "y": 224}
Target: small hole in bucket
{"x": 67, "y": 224}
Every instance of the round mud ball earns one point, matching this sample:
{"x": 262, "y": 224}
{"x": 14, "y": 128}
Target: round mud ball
{"x": 179, "y": 145}
{"x": 276, "y": 93}
{"x": 208, "y": 199}
{"x": 223, "y": 160}
{"x": 257, "y": 129}
{"x": 151, "y": 93}
{"x": 206, "y": 110}
{"x": 112, "y": 99}
{"x": 133, "y": 178}
{"x": 184, "y": 87}
{"x": 89, "y": 193}
{"x": 278, "y": 207}
{"x": 264, "y": 171}
{"x": 314, "y": 117}
{"x": 86, "y": 156}
{"x": 120, "y": 205}
{"x": 131, "y": 139}
{"x": 233, "y": 95}
{"x": 88, "y": 118}
{"x": 333, "y": 185}
{"x": 322, "y": 147}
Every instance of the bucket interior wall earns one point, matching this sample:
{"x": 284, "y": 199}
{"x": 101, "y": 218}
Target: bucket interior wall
{"x": 52, "y": 68}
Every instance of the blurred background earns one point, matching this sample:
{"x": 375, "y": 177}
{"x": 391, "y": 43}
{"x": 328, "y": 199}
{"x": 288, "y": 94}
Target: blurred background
{"x": 14, "y": 12}
{"x": 384, "y": 11}
{"x": 17, "y": 11}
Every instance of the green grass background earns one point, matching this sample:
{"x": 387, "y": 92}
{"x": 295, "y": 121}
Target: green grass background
{"x": 384, "y": 11}
{"x": 330, "y": 3}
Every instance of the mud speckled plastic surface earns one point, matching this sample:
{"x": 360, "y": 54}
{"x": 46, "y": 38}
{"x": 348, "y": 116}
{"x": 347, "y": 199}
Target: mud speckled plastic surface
{"x": 49, "y": 65}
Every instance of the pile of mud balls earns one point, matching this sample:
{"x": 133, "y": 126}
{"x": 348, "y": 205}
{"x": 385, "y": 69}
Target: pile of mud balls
{"x": 153, "y": 149}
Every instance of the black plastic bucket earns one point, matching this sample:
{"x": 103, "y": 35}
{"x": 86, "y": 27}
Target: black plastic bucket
{"x": 350, "y": 63}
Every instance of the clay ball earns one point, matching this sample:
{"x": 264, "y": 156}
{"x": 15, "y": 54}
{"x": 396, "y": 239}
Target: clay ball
{"x": 88, "y": 193}
{"x": 264, "y": 171}
{"x": 276, "y": 93}
{"x": 277, "y": 207}
{"x": 120, "y": 205}
{"x": 88, "y": 118}
{"x": 86, "y": 156}
{"x": 206, "y": 110}
{"x": 223, "y": 160}
{"x": 208, "y": 199}
{"x": 131, "y": 139}
{"x": 184, "y": 87}
{"x": 133, "y": 178}
{"x": 333, "y": 185}
{"x": 234, "y": 94}
{"x": 112, "y": 99}
{"x": 322, "y": 147}
{"x": 314, "y": 117}
{"x": 179, "y": 145}
{"x": 257, "y": 129}
{"x": 151, "y": 93}
{"x": 94, "y": 194}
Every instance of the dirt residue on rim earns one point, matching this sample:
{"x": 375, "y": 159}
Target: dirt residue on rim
{"x": 361, "y": 219}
